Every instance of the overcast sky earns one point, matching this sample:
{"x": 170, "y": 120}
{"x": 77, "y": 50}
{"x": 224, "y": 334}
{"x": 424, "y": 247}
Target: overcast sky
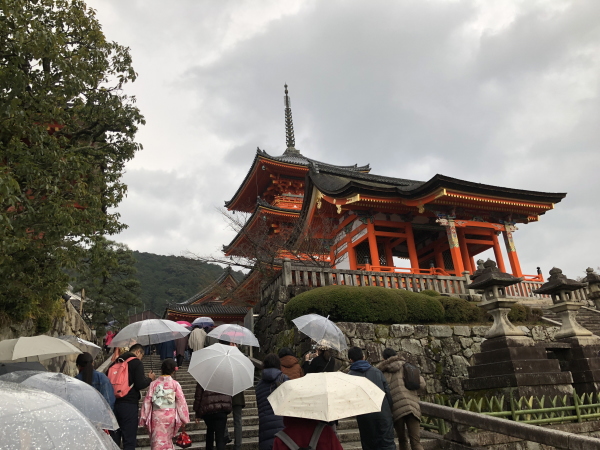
{"x": 502, "y": 92}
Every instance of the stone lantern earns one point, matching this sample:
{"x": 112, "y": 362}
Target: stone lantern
{"x": 560, "y": 288}
{"x": 493, "y": 283}
{"x": 593, "y": 281}
{"x": 509, "y": 361}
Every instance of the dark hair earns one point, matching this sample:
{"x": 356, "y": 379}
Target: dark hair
{"x": 135, "y": 347}
{"x": 168, "y": 366}
{"x": 285, "y": 351}
{"x": 388, "y": 353}
{"x": 221, "y": 341}
{"x": 355, "y": 354}
{"x": 271, "y": 361}
{"x": 86, "y": 362}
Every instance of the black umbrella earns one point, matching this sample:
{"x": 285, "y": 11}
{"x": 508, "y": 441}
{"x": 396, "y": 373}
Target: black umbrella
{"x": 14, "y": 367}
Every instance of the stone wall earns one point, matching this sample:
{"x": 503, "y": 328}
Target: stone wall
{"x": 70, "y": 322}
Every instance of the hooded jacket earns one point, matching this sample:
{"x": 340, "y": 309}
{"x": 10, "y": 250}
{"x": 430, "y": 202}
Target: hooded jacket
{"x": 268, "y": 423}
{"x": 209, "y": 402}
{"x": 376, "y": 429}
{"x": 404, "y": 401}
{"x": 291, "y": 367}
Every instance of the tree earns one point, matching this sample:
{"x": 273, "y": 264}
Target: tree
{"x": 107, "y": 274}
{"x": 66, "y": 131}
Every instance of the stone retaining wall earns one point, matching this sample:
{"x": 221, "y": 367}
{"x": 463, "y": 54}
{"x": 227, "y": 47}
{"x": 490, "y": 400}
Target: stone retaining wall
{"x": 69, "y": 323}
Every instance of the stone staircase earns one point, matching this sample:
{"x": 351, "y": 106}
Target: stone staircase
{"x": 347, "y": 428}
{"x": 586, "y": 317}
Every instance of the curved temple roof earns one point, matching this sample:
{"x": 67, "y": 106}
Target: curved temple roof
{"x": 295, "y": 160}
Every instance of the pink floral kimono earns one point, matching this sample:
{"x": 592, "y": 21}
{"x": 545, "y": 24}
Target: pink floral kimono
{"x": 163, "y": 412}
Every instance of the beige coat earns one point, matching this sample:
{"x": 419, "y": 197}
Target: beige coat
{"x": 404, "y": 401}
{"x": 197, "y": 339}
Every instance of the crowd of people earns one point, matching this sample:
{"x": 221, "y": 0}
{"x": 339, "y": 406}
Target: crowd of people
{"x": 165, "y": 413}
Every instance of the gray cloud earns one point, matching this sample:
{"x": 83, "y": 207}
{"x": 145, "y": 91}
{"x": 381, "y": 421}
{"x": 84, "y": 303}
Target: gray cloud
{"x": 503, "y": 94}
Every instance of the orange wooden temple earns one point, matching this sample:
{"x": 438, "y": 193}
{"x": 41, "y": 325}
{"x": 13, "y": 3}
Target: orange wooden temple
{"x": 376, "y": 223}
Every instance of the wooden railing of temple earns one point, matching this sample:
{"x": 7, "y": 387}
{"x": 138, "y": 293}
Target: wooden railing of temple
{"x": 314, "y": 276}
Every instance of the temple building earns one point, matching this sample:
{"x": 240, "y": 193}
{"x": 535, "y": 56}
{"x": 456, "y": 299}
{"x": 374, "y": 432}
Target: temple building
{"x": 369, "y": 222}
{"x": 209, "y": 303}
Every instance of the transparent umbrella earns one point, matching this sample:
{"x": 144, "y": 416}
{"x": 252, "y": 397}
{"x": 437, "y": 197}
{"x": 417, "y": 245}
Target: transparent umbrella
{"x": 321, "y": 330}
{"x": 222, "y": 368}
{"x": 148, "y": 332}
{"x": 234, "y": 333}
{"x": 81, "y": 395}
{"x": 82, "y": 344}
{"x": 34, "y": 348}
{"x": 34, "y": 419}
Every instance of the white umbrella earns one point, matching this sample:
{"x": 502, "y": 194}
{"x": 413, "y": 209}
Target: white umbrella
{"x": 234, "y": 333}
{"x": 222, "y": 368}
{"x": 32, "y": 418}
{"x": 203, "y": 322}
{"x": 148, "y": 332}
{"x": 322, "y": 330}
{"x": 34, "y": 348}
{"x": 81, "y": 395}
{"x": 326, "y": 396}
{"x": 82, "y": 344}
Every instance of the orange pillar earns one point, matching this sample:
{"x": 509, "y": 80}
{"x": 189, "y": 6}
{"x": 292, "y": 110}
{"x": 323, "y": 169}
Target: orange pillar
{"x": 351, "y": 256}
{"x": 513, "y": 259}
{"x": 439, "y": 259}
{"x": 412, "y": 248}
{"x": 373, "y": 244}
{"x": 498, "y": 253}
{"x": 454, "y": 248}
{"x": 464, "y": 250}
{"x": 388, "y": 254}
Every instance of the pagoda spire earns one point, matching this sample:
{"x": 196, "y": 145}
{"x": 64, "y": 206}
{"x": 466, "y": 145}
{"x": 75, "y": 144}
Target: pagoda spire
{"x": 289, "y": 124}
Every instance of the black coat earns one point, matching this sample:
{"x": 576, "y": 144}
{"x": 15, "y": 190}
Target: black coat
{"x": 376, "y": 429}
{"x": 319, "y": 365}
{"x": 268, "y": 423}
{"x": 137, "y": 377}
{"x": 209, "y": 402}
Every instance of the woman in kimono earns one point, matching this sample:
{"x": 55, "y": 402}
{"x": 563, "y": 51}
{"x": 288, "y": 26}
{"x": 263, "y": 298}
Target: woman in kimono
{"x": 164, "y": 409}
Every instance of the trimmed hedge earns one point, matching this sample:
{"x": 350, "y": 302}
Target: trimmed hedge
{"x": 380, "y": 305}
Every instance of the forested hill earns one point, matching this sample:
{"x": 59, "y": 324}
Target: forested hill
{"x": 169, "y": 279}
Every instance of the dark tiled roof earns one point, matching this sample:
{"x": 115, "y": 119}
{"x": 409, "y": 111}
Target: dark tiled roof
{"x": 260, "y": 203}
{"x": 340, "y": 182}
{"x": 206, "y": 309}
{"x": 291, "y": 156}
{"x": 207, "y": 290}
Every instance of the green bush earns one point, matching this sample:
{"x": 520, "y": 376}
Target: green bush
{"x": 366, "y": 304}
{"x": 349, "y": 304}
{"x": 422, "y": 308}
{"x": 458, "y": 310}
{"x": 519, "y": 313}
{"x": 430, "y": 292}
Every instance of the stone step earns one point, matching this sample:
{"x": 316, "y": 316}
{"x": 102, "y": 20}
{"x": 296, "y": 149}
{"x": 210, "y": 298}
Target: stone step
{"x": 585, "y": 317}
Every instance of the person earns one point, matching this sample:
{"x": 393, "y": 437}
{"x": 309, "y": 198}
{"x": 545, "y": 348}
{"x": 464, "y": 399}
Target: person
{"x": 213, "y": 408}
{"x": 238, "y": 402}
{"x": 126, "y": 407}
{"x": 197, "y": 338}
{"x": 268, "y": 423}
{"x": 301, "y": 431}
{"x": 180, "y": 347}
{"x": 289, "y": 364}
{"x": 110, "y": 334}
{"x": 166, "y": 349}
{"x": 164, "y": 409}
{"x": 87, "y": 374}
{"x": 322, "y": 361}
{"x": 376, "y": 429}
{"x": 405, "y": 408}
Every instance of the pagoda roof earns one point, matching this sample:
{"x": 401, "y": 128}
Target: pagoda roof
{"x": 342, "y": 183}
{"x": 291, "y": 162}
{"x": 207, "y": 309}
{"x": 228, "y": 272}
{"x": 261, "y": 208}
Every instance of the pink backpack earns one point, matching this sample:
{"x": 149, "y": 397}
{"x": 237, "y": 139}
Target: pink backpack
{"x": 118, "y": 374}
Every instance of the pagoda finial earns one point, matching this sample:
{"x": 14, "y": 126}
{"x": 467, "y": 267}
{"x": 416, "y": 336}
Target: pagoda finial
{"x": 289, "y": 124}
